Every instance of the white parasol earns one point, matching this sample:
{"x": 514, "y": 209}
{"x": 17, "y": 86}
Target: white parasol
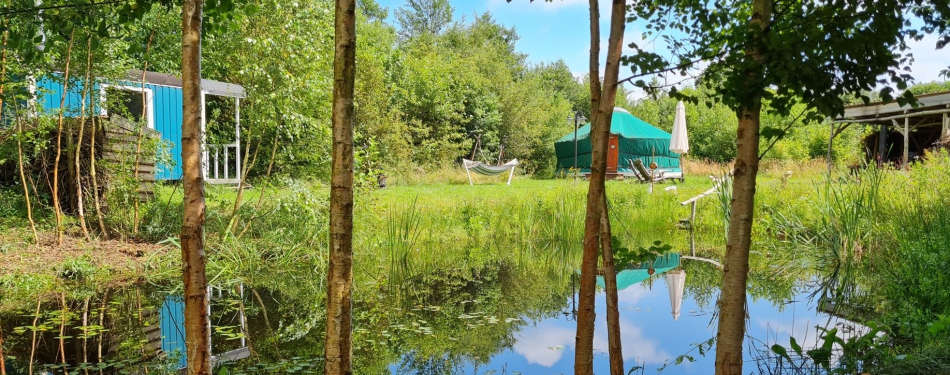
{"x": 679, "y": 143}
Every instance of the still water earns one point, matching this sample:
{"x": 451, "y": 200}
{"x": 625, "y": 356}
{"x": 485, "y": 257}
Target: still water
{"x": 496, "y": 319}
{"x": 654, "y": 335}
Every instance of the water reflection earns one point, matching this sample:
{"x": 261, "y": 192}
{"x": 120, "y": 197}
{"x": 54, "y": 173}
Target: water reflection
{"x": 500, "y": 316}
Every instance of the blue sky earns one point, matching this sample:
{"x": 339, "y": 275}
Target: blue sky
{"x": 559, "y": 30}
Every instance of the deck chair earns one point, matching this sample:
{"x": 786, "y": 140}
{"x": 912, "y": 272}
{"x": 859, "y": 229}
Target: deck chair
{"x": 488, "y": 169}
{"x": 642, "y": 174}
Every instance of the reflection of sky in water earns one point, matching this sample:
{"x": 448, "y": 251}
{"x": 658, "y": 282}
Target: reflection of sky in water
{"x": 650, "y": 336}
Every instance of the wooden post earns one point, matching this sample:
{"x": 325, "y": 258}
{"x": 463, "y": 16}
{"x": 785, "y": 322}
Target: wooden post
{"x": 692, "y": 234}
{"x": 237, "y": 136}
{"x": 512, "y": 173}
{"x": 946, "y": 124}
{"x": 831, "y": 137}
{"x": 882, "y": 146}
{"x": 906, "y": 141}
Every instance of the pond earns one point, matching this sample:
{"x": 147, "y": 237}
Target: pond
{"x": 501, "y": 318}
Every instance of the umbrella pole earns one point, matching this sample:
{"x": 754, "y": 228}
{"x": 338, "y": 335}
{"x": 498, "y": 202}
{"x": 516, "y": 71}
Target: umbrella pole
{"x": 682, "y": 170}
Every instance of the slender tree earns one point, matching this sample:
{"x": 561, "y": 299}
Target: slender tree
{"x": 597, "y": 236}
{"x": 197, "y": 321}
{"x": 87, "y": 85}
{"x": 59, "y": 143}
{"x": 339, "y": 345}
{"x": 19, "y": 138}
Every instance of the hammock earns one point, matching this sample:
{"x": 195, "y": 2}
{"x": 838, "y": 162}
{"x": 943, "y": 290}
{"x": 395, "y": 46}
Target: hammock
{"x": 489, "y": 170}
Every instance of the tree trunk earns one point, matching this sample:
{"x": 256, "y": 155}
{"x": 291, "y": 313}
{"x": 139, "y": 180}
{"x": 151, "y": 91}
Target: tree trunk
{"x": 19, "y": 139}
{"x": 584, "y": 339}
{"x": 197, "y": 321}
{"x": 597, "y": 226}
{"x": 80, "y": 209}
{"x": 59, "y": 145}
{"x": 94, "y": 177}
{"x": 732, "y": 300}
{"x": 339, "y": 350}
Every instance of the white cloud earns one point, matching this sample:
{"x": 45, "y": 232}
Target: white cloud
{"x": 635, "y": 346}
{"x": 928, "y": 61}
{"x": 544, "y": 344}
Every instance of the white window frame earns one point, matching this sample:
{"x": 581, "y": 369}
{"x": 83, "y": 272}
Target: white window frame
{"x": 149, "y": 100}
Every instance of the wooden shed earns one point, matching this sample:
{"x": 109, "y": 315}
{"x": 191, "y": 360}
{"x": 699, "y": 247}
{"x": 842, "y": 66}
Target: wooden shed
{"x": 904, "y": 132}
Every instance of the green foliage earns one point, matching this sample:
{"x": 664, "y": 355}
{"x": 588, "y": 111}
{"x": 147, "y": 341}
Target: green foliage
{"x": 625, "y": 257}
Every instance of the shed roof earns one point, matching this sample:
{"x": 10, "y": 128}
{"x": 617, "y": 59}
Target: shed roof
{"x": 929, "y": 111}
{"x": 210, "y": 86}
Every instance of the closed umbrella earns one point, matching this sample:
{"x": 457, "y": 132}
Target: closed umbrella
{"x": 676, "y": 282}
{"x": 679, "y": 142}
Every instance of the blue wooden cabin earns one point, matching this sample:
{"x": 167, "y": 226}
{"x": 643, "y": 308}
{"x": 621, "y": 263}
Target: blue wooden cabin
{"x": 163, "y": 113}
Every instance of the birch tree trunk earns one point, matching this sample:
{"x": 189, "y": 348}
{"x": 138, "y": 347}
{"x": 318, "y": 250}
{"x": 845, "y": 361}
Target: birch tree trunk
{"x": 596, "y": 225}
{"x": 339, "y": 349}
{"x": 197, "y": 321}
{"x": 732, "y": 301}
{"x": 59, "y": 144}
{"x": 80, "y": 209}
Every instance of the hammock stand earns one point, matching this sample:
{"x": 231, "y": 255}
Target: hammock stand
{"x": 489, "y": 170}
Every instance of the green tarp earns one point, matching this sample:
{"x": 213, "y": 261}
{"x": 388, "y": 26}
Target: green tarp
{"x": 632, "y": 276}
{"x": 638, "y": 140}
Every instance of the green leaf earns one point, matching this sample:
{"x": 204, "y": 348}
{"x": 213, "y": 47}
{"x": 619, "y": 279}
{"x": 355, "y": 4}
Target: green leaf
{"x": 781, "y": 351}
{"x": 797, "y": 348}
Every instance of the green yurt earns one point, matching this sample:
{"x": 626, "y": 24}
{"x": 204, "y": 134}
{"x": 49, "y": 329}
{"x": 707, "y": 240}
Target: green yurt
{"x": 636, "y": 140}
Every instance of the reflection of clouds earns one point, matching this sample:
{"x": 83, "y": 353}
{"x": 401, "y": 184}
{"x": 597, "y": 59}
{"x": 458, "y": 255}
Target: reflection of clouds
{"x": 631, "y": 295}
{"x": 534, "y": 344}
{"x": 634, "y": 344}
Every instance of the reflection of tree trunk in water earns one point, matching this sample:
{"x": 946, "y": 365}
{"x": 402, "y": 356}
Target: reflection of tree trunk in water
{"x": 197, "y": 321}
{"x": 102, "y": 320}
{"x": 142, "y": 125}
{"x": 62, "y": 331}
{"x": 82, "y": 127}
{"x": 338, "y": 351}
{"x": 59, "y": 144}
{"x": 36, "y": 317}
{"x": 85, "y": 333}
{"x": 732, "y": 300}
{"x": 610, "y": 288}
{"x": 3, "y": 363}
{"x": 260, "y": 302}
{"x": 596, "y": 232}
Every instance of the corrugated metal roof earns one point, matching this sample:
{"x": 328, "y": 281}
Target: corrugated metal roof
{"x": 210, "y": 86}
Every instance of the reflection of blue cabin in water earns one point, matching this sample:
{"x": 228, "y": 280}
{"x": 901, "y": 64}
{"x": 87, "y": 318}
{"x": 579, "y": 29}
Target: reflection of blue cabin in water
{"x": 163, "y": 113}
{"x": 172, "y": 328}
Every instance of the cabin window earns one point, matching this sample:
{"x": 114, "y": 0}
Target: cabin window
{"x": 127, "y": 102}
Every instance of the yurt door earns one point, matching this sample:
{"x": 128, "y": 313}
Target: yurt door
{"x": 613, "y": 153}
